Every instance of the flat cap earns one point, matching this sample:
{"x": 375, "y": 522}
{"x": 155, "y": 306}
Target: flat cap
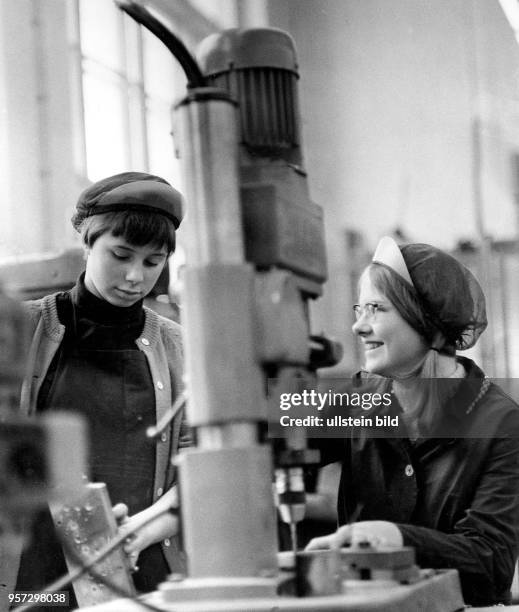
{"x": 129, "y": 191}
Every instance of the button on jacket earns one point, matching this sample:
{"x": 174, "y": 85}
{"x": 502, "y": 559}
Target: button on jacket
{"x": 454, "y": 497}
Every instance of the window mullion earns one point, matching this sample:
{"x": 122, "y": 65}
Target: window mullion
{"x": 78, "y": 110}
{"x": 129, "y": 139}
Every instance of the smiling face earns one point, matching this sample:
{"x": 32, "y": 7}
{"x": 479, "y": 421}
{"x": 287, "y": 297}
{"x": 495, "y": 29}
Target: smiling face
{"x": 392, "y": 347}
{"x": 121, "y": 273}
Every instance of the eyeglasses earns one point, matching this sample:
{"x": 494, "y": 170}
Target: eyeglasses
{"x": 369, "y": 309}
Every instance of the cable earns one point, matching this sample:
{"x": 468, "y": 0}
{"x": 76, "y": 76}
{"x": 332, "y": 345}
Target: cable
{"x": 141, "y": 15}
{"x": 64, "y": 581}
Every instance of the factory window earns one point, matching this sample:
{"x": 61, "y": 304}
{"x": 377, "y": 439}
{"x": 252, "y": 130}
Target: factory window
{"x": 128, "y": 82}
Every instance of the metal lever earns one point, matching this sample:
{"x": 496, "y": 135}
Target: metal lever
{"x": 324, "y": 352}
{"x": 155, "y": 430}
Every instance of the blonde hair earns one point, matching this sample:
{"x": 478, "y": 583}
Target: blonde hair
{"x": 432, "y": 392}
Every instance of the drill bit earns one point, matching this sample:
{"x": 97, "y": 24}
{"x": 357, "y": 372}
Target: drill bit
{"x": 293, "y": 537}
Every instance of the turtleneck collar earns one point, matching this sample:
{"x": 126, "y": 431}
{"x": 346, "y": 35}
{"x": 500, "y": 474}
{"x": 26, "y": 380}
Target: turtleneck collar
{"x": 101, "y": 311}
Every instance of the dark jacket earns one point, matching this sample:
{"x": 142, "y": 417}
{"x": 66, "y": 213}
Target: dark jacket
{"x": 455, "y": 498}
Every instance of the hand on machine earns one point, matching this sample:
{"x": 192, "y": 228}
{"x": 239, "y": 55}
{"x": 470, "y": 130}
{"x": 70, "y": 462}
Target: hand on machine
{"x": 147, "y": 527}
{"x": 377, "y": 534}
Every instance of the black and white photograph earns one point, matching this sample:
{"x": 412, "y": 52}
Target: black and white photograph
{"x": 259, "y": 305}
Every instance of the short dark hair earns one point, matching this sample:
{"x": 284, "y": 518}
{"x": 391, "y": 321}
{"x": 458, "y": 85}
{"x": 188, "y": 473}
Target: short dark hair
{"x": 138, "y": 228}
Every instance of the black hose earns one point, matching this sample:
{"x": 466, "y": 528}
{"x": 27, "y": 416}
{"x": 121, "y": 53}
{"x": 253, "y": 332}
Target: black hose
{"x": 141, "y": 15}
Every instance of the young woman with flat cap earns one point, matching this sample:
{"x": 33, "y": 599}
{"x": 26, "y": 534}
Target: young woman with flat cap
{"x": 446, "y": 479}
{"x": 97, "y": 350}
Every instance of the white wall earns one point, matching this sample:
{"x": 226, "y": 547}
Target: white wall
{"x": 389, "y": 93}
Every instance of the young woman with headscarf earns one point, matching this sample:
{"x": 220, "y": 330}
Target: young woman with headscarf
{"x": 446, "y": 479}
